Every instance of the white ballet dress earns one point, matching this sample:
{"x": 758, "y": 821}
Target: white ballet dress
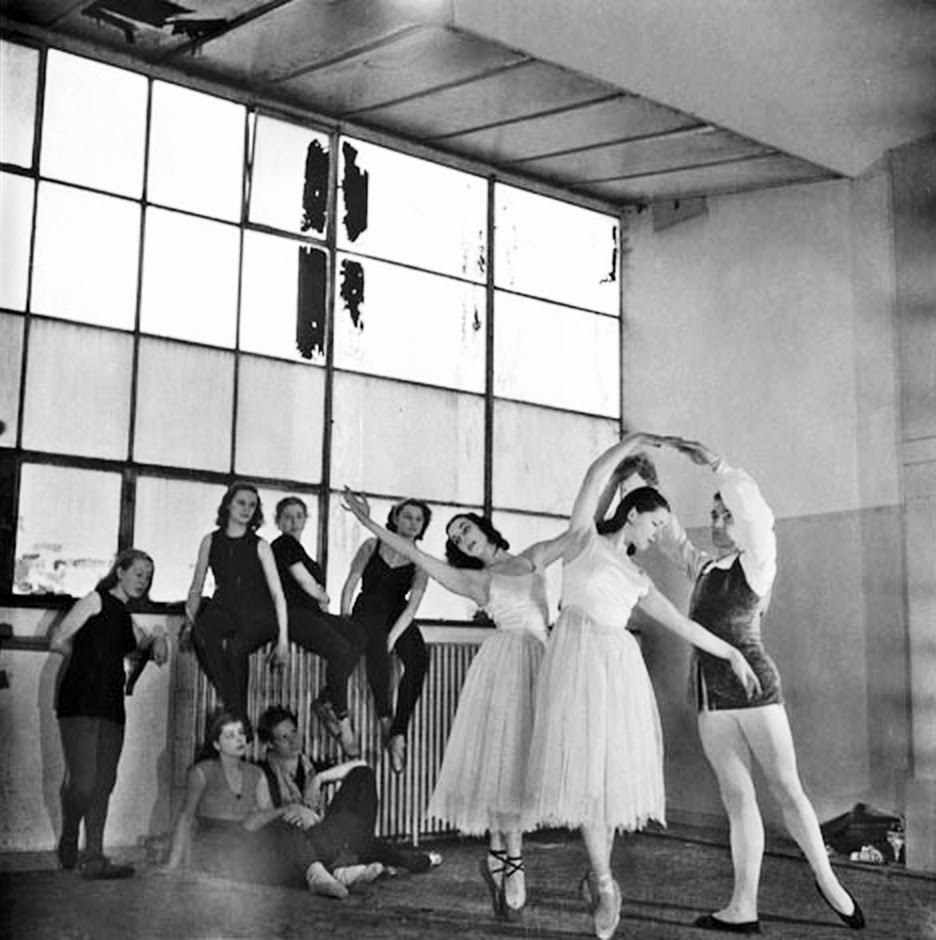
{"x": 596, "y": 757}
{"x": 481, "y": 784}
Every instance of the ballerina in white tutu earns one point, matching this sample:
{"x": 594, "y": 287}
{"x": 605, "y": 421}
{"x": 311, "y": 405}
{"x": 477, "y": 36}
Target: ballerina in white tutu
{"x": 481, "y": 785}
{"x": 596, "y": 756}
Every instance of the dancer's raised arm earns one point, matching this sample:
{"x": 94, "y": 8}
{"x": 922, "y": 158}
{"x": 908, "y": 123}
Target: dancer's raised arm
{"x": 466, "y": 582}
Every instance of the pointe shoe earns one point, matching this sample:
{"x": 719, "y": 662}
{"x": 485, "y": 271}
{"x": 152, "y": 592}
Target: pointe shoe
{"x": 397, "y": 748}
{"x": 607, "y": 911}
{"x": 348, "y": 739}
{"x": 855, "y": 920}
{"x": 321, "y": 882}
{"x": 711, "y": 922}
{"x": 513, "y": 864}
{"x": 487, "y": 875}
{"x": 586, "y": 891}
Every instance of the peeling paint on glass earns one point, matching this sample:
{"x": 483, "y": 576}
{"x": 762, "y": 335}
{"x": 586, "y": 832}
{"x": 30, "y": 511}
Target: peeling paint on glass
{"x": 401, "y": 208}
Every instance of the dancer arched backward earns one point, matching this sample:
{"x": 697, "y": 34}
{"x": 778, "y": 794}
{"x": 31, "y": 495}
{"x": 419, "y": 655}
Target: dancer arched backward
{"x": 481, "y": 783}
{"x": 248, "y": 608}
{"x": 392, "y": 589}
{"x": 731, "y": 595}
{"x": 596, "y": 756}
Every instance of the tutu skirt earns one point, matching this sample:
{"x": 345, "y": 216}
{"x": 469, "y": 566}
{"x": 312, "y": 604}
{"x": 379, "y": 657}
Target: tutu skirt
{"x": 482, "y": 782}
{"x": 596, "y": 757}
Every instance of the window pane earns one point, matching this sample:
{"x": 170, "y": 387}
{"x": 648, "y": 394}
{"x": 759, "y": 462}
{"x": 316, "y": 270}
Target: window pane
{"x": 401, "y": 323}
{"x": 540, "y": 456}
{"x": 66, "y": 534}
{"x": 522, "y": 531}
{"x": 172, "y": 516}
{"x": 283, "y": 298}
{"x": 189, "y": 278}
{"x": 94, "y": 124}
{"x": 553, "y": 249}
{"x": 78, "y": 390}
{"x": 389, "y": 437}
{"x": 196, "y": 152}
{"x": 404, "y": 209}
{"x": 556, "y": 356}
{"x": 345, "y": 535}
{"x": 185, "y": 399}
{"x": 280, "y": 419}
{"x": 289, "y": 179}
{"x": 19, "y": 72}
{"x": 86, "y": 256}
{"x": 11, "y": 359}
{"x": 16, "y": 208}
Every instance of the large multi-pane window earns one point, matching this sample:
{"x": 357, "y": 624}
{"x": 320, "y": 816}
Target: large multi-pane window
{"x": 194, "y": 291}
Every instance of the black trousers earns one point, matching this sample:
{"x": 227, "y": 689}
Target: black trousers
{"x": 411, "y": 648}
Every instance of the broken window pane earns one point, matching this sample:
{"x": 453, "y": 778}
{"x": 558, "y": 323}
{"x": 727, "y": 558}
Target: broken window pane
{"x": 541, "y": 455}
{"x": 289, "y": 177}
{"x": 556, "y": 356}
{"x": 280, "y": 419}
{"x": 19, "y": 71}
{"x": 11, "y": 359}
{"x": 406, "y": 324}
{"x": 552, "y": 249}
{"x": 189, "y": 278}
{"x": 86, "y": 256}
{"x": 78, "y": 390}
{"x": 185, "y": 397}
{"x": 345, "y": 535}
{"x": 196, "y": 157}
{"x": 66, "y": 535}
{"x": 16, "y": 209}
{"x": 404, "y": 209}
{"x": 383, "y": 431}
{"x": 93, "y": 124}
{"x": 192, "y": 507}
{"x": 283, "y": 298}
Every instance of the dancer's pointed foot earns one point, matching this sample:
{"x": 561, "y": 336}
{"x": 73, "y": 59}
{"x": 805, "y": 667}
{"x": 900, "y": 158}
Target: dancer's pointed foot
{"x": 348, "y": 739}
{"x": 492, "y": 873}
{"x": 607, "y": 911}
{"x": 514, "y": 887}
{"x": 397, "y": 748}
{"x": 855, "y": 919}
{"x": 714, "y": 922}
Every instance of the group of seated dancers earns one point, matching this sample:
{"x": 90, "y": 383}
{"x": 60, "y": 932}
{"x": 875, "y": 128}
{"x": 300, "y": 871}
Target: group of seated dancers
{"x": 554, "y": 728}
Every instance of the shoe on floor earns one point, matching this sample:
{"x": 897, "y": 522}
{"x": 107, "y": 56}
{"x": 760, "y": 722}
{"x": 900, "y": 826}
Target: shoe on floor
{"x": 98, "y": 868}
{"x": 67, "y": 852}
{"x": 321, "y": 882}
{"x": 349, "y": 875}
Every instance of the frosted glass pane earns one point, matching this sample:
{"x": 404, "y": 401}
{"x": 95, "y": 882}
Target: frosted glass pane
{"x": 11, "y": 359}
{"x": 185, "y": 398}
{"x": 66, "y": 535}
{"x": 19, "y": 71}
{"x": 16, "y": 208}
{"x": 189, "y": 278}
{"x": 289, "y": 179}
{"x": 404, "y": 209}
{"x": 345, "y": 534}
{"x": 396, "y": 322}
{"x": 555, "y": 250}
{"x": 557, "y": 356}
{"x": 522, "y": 531}
{"x": 540, "y": 456}
{"x": 388, "y": 437}
{"x": 280, "y": 420}
{"x": 278, "y": 272}
{"x": 78, "y": 390}
{"x": 196, "y": 152}
{"x": 191, "y": 506}
{"x": 86, "y": 256}
{"x": 94, "y": 124}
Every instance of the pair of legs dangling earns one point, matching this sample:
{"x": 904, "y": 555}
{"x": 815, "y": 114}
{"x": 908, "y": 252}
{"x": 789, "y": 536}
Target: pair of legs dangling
{"x": 730, "y": 739}
{"x": 504, "y": 874}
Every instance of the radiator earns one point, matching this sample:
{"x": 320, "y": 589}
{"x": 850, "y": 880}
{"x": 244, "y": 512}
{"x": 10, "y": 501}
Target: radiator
{"x": 403, "y": 797}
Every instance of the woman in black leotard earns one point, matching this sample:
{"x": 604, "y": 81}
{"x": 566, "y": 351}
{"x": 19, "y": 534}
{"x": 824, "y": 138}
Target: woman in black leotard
{"x": 391, "y": 590}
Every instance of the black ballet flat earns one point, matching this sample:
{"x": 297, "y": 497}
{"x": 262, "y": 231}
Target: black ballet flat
{"x": 711, "y": 922}
{"x": 855, "y": 920}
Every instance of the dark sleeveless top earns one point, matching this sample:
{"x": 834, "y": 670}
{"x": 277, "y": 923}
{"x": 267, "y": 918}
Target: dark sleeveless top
{"x": 218, "y": 800}
{"x": 92, "y": 685}
{"x": 240, "y": 584}
{"x": 724, "y": 603}
{"x": 383, "y": 590}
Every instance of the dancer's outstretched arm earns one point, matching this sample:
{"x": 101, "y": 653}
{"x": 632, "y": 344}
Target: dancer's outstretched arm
{"x": 466, "y": 582}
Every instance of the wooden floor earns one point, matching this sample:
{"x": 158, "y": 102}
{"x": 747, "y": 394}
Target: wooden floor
{"x": 667, "y": 880}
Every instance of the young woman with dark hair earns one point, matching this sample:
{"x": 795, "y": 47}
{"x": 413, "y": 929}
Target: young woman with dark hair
{"x": 95, "y": 636}
{"x": 392, "y": 588}
{"x": 248, "y": 608}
